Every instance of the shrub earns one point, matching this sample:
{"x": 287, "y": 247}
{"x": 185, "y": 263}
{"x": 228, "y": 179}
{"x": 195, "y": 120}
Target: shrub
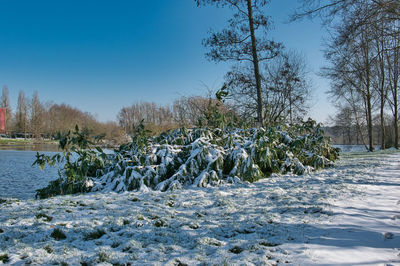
{"x": 207, "y": 156}
{"x": 58, "y": 234}
{"x": 80, "y": 160}
{"x": 95, "y": 234}
{"x": 103, "y": 256}
{"x": 45, "y": 216}
{"x": 4, "y": 258}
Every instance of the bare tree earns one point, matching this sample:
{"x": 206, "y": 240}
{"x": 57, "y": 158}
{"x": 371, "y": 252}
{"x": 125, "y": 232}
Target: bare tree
{"x": 21, "y": 115}
{"x": 393, "y": 77}
{"x": 285, "y": 88}
{"x": 36, "y": 115}
{"x": 344, "y": 121}
{"x": 155, "y": 118}
{"x": 365, "y": 30}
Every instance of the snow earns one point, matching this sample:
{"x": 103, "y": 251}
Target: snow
{"x": 346, "y": 215}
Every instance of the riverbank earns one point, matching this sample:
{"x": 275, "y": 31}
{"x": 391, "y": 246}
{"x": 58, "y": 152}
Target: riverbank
{"x": 24, "y": 146}
{"x": 347, "y": 215}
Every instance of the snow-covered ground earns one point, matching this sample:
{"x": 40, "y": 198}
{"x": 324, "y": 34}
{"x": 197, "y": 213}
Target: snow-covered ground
{"x": 346, "y": 215}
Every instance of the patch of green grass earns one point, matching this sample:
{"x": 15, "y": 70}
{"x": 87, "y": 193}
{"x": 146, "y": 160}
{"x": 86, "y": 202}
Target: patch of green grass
{"x": 46, "y": 217}
{"x": 134, "y": 199}
{"x": 236, "y": 250}
{"x": 58, "y": 234}
{"x": 25, "y": 141}
{"x": 85, "y": 261}
{"x": 95, "y": 234}
{"x": 48, "y": 249}
{"x": 103, "y": 256}
{"x": 180, "y": 263}
{"x": 4, "y": 258}
{"x": 268, "y": 244}
{"x": 115, "y": 244}
{"x": 160, "y": 223}
{"x": 2, "y": 201}
{"x": 194, "y": 226}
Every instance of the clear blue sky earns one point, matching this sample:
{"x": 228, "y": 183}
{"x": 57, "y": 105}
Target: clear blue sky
{"x": 100, "y": 55}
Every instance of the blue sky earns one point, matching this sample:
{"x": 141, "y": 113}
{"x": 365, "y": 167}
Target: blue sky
{"x": 101, "y": 55}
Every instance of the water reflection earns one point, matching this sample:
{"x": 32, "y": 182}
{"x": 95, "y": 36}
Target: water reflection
{"x": 30, "y": 147}
{"x": 18, "y": 178}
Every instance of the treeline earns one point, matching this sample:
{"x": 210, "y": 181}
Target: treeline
{"x": 364, "y": 67}
{"x": 34, "y": 118}
{"x": 184, "y": 112}
{"x": 365, "y": 72}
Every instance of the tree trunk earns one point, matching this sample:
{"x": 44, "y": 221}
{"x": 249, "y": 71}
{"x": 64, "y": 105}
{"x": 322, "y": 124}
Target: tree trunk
{"x": 382, "y": 91}
{"x": 260, "y": 112}
{"x": 396, "y": 121}
{"x": 369, "y": 111}
{"x": 383, "y": 130}
{"x": 365, "y": 49}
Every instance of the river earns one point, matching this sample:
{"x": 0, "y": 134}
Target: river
{"x": 18, "y": 178}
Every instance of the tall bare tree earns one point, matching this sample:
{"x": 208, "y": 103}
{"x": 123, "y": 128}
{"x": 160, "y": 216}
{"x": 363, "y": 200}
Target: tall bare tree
{"x": 285, "y": 88}
{"x": 21, "y": 114}
{"x": 36, "y": 115}
{"x": 371, "y": 28}
{"x": 244, "y": 40}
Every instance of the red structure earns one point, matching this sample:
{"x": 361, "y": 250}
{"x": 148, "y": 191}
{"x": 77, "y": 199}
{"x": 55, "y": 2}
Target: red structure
{"x": 2, "y": 120}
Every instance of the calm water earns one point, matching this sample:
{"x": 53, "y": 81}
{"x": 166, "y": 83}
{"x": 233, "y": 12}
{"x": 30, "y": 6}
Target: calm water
{"x": 32, "y": 147}
{"x": 18, "y": 178}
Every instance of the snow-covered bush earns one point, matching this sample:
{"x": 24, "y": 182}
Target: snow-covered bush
{"x": 205, "y": 156}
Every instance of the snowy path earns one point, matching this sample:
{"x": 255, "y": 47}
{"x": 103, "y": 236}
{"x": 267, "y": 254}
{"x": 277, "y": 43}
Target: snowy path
{"x": 365, "y": 224}
{"x": 349, "y": 214}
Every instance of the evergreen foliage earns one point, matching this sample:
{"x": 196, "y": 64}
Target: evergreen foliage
{"x": 80, "y": 160}
{"x": 189, "y": 157}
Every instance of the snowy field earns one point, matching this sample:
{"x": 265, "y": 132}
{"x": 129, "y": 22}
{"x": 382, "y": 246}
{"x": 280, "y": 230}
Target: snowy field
{"x": 347, "y": 215}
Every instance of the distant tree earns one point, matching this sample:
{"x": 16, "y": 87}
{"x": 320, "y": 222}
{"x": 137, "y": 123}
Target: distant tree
{"x": 126, "y": 119}
{"x": 36, "y": 115}
{"x": 155, "y": 117}
{"x": 5, "y": 103}
{"x": 244, "y": 40}
{"x": 351, "y": 70}
{"x": 344, "y": 122}
{"x": 200, "y": 110}
{"x": 21, "y": 114}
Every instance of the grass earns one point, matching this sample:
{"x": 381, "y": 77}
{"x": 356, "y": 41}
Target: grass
{"x": 58, "y": 234}
{"x": 4, "y": 258}
{"x": 160, "y": 223}
{"x": 7, "y": 141}
{"x": 45, "y": 216}
{"x": 103, "y": 256}
{"x": 48, "y": 249}
{"x": 236, "y": 250}
{"x": 268, "y": 244}
{"x": 95, "y": 234}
